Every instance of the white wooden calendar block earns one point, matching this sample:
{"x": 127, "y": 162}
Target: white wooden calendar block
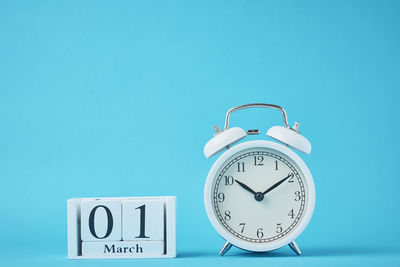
{"x": 101, "y": 220}
{"x": 141, "y": 227}
{"x": 121, "y": 248}
{"x": 143, "y": 219}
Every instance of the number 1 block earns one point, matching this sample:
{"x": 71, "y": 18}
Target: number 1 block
{"x": 143, "y": 220}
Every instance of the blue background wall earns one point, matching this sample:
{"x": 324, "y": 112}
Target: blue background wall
{"x": 118, "y": 98}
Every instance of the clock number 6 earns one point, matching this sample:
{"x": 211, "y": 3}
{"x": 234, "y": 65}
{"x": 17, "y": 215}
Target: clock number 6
{"x": 260, "y": 233}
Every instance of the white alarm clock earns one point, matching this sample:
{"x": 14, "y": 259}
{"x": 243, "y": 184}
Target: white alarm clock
{"x": 259, "y": 195}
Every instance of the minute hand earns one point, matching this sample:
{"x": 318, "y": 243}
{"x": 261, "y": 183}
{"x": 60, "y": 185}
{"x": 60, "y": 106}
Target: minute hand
{"x": 277, "y": 184}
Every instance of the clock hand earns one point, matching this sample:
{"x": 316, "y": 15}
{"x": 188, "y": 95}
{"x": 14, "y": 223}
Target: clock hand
{"x": 277, "y": 184}
{"x": 246, "y": 187}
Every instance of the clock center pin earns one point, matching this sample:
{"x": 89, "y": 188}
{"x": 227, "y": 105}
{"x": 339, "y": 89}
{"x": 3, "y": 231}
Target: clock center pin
{"x": 259, "y": 196}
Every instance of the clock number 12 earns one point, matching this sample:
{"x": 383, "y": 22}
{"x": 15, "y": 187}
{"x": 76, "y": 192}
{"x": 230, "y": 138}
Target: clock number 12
{"x": 258, "y": 160}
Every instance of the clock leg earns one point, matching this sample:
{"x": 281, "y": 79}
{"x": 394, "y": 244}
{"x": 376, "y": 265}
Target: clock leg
{"x": 225, "y": 248}
{"x": 295, "y": 248}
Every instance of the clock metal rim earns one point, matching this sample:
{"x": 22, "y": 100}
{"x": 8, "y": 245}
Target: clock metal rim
{"x": 309, "y": 209}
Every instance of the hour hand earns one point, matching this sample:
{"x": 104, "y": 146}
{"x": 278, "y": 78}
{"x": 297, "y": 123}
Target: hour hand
{"x": 246, "y": 187}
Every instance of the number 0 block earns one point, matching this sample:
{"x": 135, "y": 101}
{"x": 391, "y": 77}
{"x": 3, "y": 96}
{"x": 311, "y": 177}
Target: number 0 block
{"x": 101, "y": 220}
{"x": 121, "y": 228}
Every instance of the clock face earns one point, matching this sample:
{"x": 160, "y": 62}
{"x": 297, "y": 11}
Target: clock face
{"x": 259, "y": 195}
